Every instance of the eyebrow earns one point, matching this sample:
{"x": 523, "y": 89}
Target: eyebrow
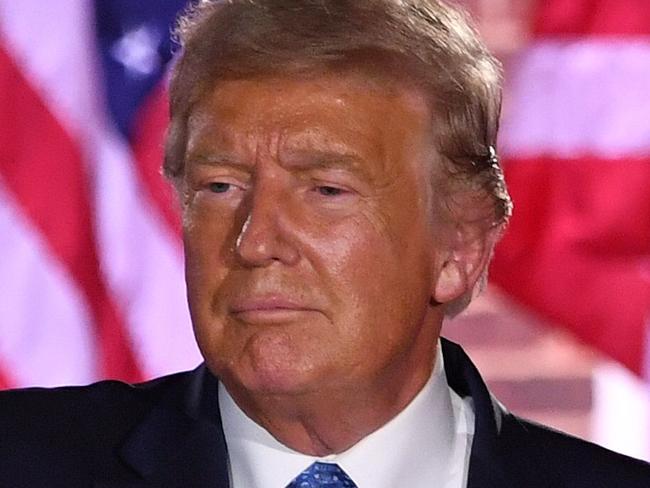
{"x": 217, "y": 160}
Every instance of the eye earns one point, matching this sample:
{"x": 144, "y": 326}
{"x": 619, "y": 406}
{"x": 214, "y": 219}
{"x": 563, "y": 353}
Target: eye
{"x": 219, "y": 187}
{"x": 330, "y": 191}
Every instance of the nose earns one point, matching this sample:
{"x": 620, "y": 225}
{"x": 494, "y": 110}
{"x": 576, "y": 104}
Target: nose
{"x": 267, "y": 234}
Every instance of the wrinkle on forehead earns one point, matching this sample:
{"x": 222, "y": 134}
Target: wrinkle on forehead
{"x": 320, "y": 114}
{"x": 290, "y": 131}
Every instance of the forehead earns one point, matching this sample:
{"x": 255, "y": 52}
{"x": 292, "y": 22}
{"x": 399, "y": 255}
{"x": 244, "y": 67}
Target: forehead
{"x": 349, "y": 112}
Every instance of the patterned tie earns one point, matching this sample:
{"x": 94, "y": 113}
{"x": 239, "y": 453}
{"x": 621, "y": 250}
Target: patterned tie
{"x": 322, "y": 474}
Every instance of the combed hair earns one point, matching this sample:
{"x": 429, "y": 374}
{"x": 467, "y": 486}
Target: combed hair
{"x": 426, "y": 43}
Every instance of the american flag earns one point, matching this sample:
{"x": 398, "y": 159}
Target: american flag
{"x": 90, "y": 255}
{"x": 576, "y": 144}
{"x": 92, "y": 283}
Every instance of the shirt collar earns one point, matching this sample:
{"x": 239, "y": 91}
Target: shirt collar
{"x": 414, "y": 446}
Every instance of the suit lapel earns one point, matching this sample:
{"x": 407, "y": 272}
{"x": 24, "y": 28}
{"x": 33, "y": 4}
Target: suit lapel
{"x": 485, "y": 467}
{"x": 178, "y": 444}
{"x": 502, "y": 452}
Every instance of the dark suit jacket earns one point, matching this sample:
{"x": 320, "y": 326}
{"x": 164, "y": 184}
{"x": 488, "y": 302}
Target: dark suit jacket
{"x": 167, "y": 433}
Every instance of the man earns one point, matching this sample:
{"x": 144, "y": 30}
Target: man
{"x": 341, "y": 194}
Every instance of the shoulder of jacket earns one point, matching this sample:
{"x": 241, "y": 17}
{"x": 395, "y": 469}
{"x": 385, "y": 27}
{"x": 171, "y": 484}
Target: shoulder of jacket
{"x": 73, "y": 408}
{"x": 571, "y": 461}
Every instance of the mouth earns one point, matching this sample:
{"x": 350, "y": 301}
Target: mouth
{"x": 268, "y": 309}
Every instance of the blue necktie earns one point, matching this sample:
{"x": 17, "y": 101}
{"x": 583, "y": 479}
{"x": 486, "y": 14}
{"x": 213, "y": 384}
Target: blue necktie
{"x": 322, "y": 474}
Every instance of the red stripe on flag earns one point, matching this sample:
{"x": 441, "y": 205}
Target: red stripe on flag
{"x": 592, "y": 17}
{"x": 43, "y": 168}
{"x": 150, "y": 125}
{"x": 577, "y": 246}
{"x": 5, "y": 382}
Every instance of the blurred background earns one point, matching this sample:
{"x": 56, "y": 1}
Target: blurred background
{"x": 91, "y": 259}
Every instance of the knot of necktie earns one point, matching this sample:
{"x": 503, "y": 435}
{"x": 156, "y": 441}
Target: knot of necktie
{"x": 322, "y": 475}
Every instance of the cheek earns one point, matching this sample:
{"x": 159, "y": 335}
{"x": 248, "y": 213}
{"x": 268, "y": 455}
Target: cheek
{"x": 378, "y": 307}
{"x": 209, "y": 233}
{"x": 383, "y": 263}
{"x": 359, "y": 264}
{"x": 208, "y": 241}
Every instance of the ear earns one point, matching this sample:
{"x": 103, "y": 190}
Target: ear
{"x": 468, "y": 254}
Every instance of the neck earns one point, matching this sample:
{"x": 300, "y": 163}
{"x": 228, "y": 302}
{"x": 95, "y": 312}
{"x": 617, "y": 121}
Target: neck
{"x": 330, "y": 421}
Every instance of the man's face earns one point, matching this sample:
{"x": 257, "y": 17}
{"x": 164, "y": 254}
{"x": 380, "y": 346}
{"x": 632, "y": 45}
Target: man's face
{"x": 311, "y": 244}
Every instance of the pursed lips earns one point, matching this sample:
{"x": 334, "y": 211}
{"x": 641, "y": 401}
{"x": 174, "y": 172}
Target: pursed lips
{"x": 269, "y": 308}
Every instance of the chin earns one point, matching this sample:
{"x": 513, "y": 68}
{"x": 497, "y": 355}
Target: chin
{"x": 275, "y": 383}
{"x": 284, "y": 374}
{"x": 277, "y": 361}
{"x": 272, "y": 360}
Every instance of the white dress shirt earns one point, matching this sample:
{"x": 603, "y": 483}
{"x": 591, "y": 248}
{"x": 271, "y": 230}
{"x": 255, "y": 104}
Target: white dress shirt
{"x": 426, "y": 444}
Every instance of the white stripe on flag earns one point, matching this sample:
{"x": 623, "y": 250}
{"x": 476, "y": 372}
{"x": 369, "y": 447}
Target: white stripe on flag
{"x": 570, "y": 98}
{"x": 44, "y": 326}
{"x": 621, "y": 412}
{"x": 143, "y": 265}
